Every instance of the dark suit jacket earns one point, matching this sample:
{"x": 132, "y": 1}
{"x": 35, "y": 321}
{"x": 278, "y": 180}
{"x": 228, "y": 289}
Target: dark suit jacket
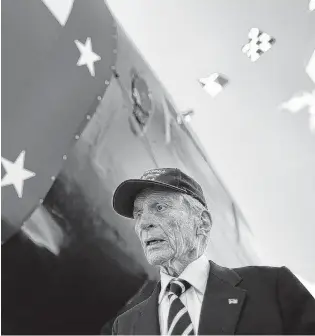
{"x": 270, "y": 300}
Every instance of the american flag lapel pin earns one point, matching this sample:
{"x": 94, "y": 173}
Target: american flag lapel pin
{"x": 233, "y": 301}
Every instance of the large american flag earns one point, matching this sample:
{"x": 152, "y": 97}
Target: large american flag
{"x": 57, "y": 61}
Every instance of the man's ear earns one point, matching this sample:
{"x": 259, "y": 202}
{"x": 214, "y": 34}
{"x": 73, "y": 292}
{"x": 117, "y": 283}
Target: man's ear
{"x": 205, "y": 223}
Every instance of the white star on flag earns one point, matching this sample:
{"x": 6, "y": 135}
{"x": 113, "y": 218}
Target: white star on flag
{"x": 88, "y": 57}
{"x": 16, "y": 174}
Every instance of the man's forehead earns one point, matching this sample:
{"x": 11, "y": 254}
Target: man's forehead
{"x": 153, "y": 195}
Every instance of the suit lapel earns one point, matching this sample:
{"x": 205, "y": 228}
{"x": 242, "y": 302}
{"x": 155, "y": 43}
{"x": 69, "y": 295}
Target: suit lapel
{"x": 220, "y": 309}
{"x": 222, "y": 302}
{"x": 148, "y": 320}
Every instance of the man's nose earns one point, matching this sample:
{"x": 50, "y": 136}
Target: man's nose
{"x": 144, "y": 224}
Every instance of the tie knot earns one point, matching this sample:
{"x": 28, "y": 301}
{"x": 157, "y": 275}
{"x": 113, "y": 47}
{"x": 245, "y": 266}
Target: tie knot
{"x": 178, "y": 287}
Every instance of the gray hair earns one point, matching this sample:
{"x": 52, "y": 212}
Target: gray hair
{"x": 196, "y": 208}
{"x": 194, "y": 204}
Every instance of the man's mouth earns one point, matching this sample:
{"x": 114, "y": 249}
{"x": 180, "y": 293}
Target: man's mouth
{"x": 153, "y": 241}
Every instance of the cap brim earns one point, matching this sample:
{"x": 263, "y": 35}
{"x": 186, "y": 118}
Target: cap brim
{"x": 127, "y": 191}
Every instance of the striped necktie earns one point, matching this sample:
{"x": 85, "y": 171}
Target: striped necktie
{"x": 179, "y": 321}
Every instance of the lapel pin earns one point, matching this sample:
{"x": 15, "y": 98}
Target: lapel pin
{"x": 233, "y": 301}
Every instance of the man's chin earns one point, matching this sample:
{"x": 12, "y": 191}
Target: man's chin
{"x": 155, "y": 259}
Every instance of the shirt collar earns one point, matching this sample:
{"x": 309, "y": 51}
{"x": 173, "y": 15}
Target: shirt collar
{"x": 196, "y": 273}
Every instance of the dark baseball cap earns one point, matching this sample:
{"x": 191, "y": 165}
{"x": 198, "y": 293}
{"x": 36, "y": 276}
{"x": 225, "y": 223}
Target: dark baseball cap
{"x": 160, "y": 178}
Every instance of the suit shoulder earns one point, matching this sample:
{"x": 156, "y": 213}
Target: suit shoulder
{"x": 254, "y": 268}
{"x": 257, "y": 271}
{"x": 258, "y": 278}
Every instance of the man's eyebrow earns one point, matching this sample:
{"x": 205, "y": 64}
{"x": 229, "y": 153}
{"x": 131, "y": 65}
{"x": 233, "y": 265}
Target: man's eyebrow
{"x": 164, "y": 199}
{"x": 168, "y": 201}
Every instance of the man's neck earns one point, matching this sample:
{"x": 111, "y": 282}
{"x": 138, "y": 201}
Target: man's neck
{"x": 175, "y": 267}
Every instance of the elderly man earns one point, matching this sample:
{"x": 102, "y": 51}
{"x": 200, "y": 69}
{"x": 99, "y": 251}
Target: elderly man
{"x": 195, "y": 295}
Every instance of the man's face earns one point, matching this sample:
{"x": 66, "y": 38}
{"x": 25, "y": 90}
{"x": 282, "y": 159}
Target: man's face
{"x": 164, "y": 225}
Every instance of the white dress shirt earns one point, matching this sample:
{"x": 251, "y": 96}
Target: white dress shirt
{"x": 196, "y": 273}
